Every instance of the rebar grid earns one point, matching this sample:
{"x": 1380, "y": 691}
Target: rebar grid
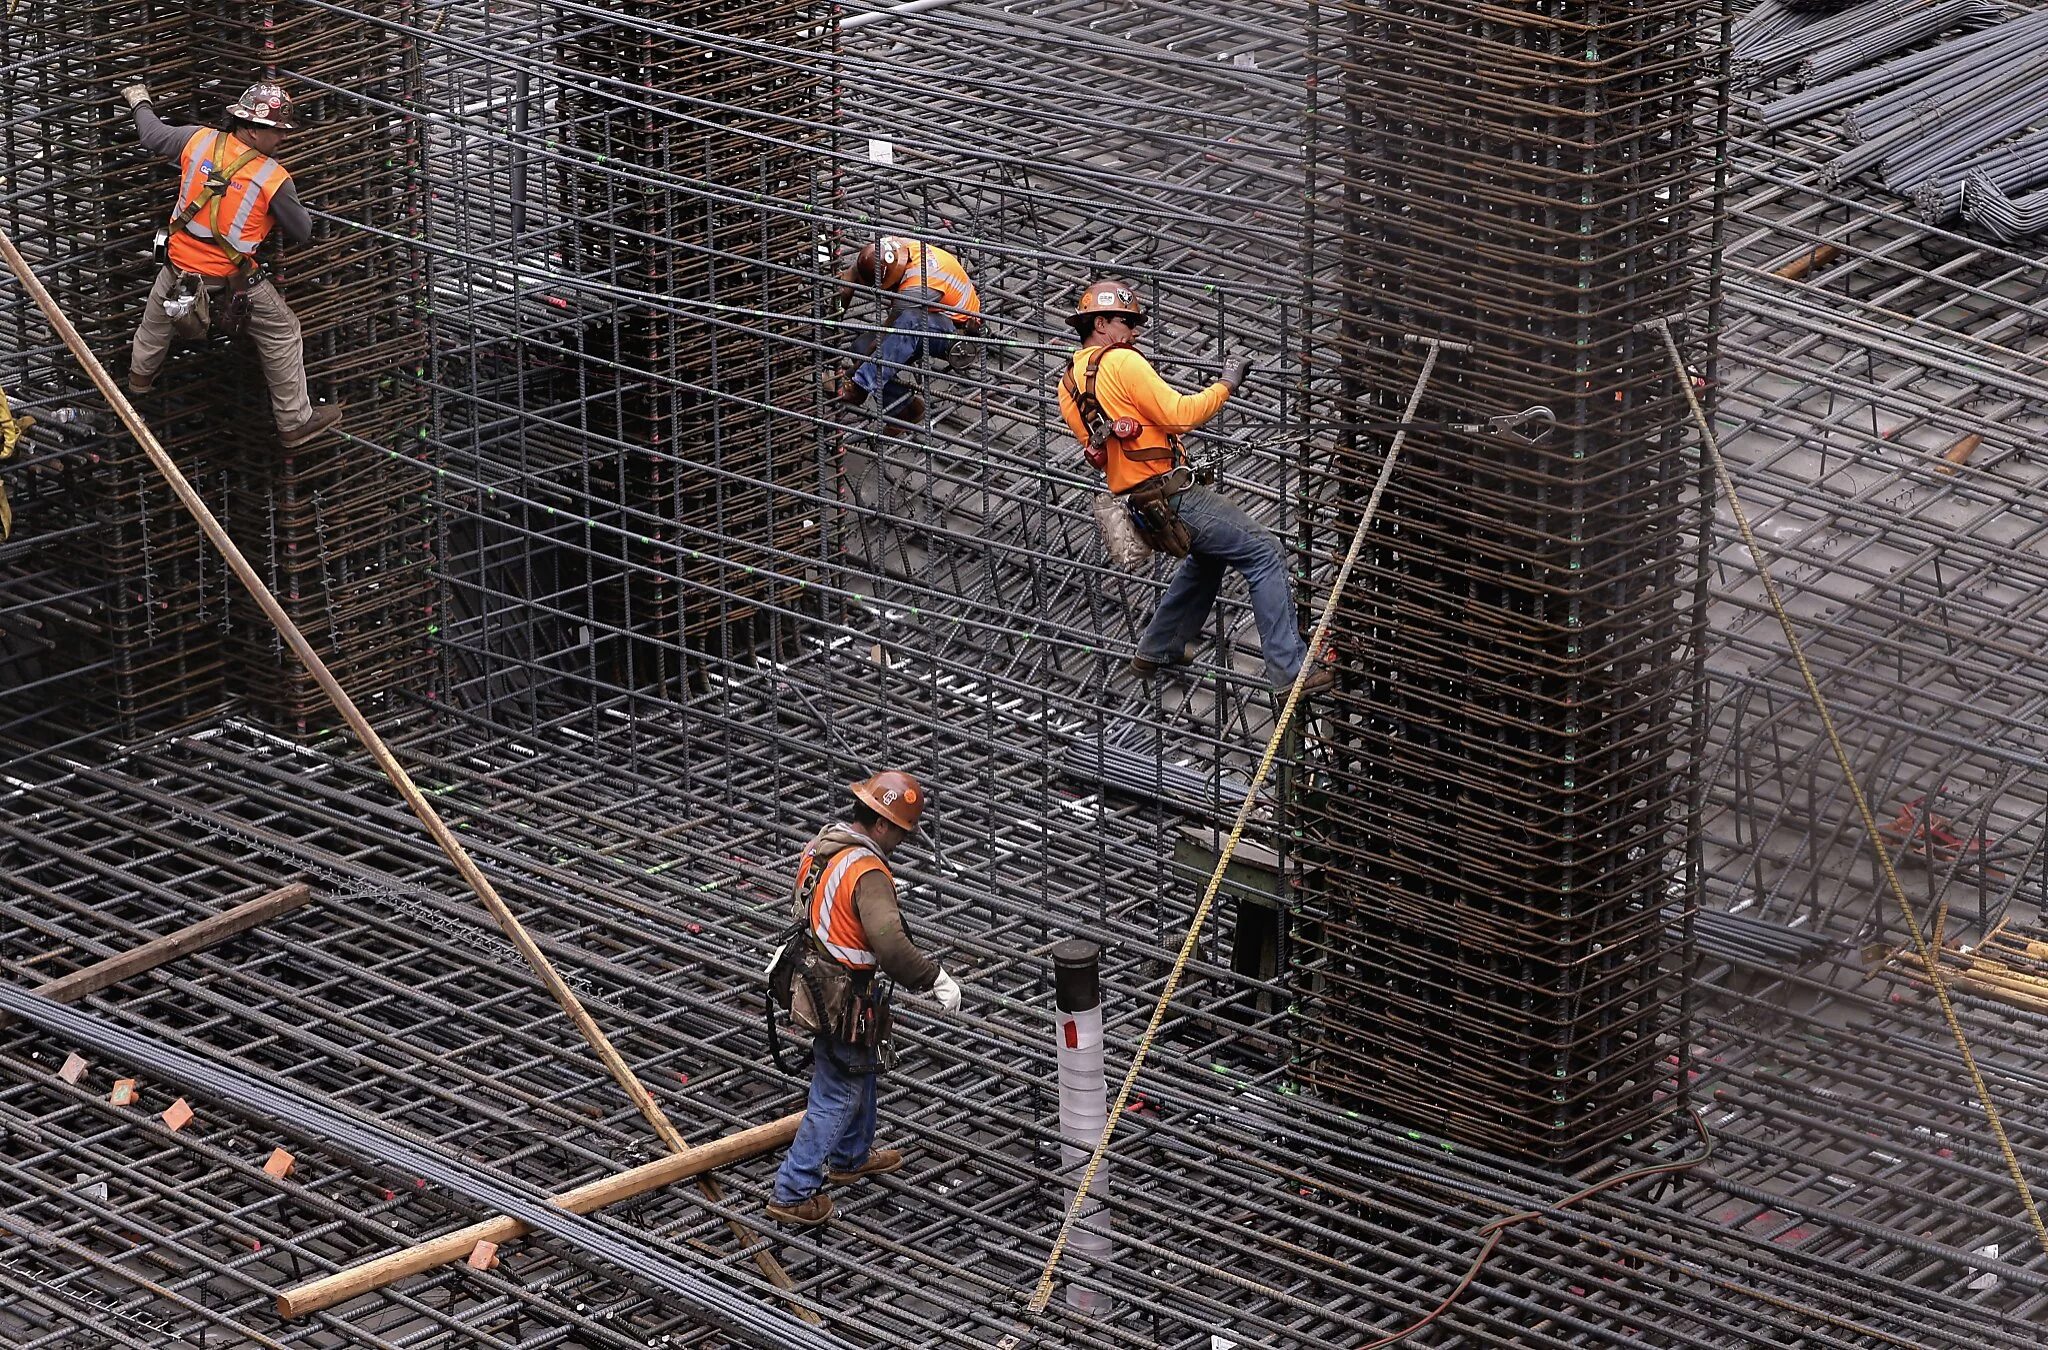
{"x": 944, "y": 605}
{"x": 1355, "y": 1220}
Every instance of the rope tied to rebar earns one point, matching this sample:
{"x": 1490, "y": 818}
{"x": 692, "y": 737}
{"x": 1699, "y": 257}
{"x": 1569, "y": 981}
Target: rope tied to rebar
{"x": 1929, "y": 956}
{"x": 1042, "y": 1295}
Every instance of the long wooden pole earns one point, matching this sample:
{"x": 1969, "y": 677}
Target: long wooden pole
{"x": 436, "y": 828}
{"x": 191, "y": 938}
{"x": 449, "y": 1248}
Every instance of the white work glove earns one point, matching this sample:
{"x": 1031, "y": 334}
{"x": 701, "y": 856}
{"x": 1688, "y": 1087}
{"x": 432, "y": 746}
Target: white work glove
{"x": 946, "y": 992}
{"x": 135, "y": 94}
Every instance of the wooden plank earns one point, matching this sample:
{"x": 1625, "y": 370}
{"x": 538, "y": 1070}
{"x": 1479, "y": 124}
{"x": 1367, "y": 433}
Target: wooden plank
{"x": 191, "y": 938}
{"x": 450, "y": 1248}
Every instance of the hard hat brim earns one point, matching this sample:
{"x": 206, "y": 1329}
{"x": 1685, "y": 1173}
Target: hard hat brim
{"x": 242, "y": 114}
{"x": 893, "y": 815}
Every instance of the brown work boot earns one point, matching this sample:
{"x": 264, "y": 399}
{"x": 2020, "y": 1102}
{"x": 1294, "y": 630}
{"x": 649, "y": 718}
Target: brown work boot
{"x": 808, "y": 1212}
{"x": 139, "y": 385}
{"x": 909, "y": 408}
{"x": 313, "y": 428}
{"x": 840, "y": 388}
{"x": 1319, "y": 679}
{"x": 1144, "y": 666}
{"x": 880, "y": 1160}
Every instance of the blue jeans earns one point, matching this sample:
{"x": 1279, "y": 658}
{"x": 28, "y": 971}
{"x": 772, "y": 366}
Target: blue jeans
{"x": 914, "y": 334}
{"x": 838, "y": 1126}
{"x": 1225, "y": 536}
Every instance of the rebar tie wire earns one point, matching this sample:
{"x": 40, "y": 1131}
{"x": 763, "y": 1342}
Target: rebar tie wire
{"x": 1929, "y": 958}
{"x": 1043, "y": 1294}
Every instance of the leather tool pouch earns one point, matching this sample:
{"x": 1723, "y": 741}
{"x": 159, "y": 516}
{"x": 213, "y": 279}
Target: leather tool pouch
{"x": 189, "y": 307}
{"x": 234, "y": 314}
{"x": 1151, "y": 506}
{"x": 824, "y": 989}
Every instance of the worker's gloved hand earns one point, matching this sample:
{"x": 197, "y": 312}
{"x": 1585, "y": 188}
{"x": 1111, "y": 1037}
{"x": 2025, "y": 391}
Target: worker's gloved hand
{"x": 1235, "y": 370}
{"x": 946, "y": 992}
{"x": 136, "y": 94}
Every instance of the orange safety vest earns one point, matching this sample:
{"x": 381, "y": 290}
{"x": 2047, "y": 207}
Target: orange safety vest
{"x": 943, "y": 272}
{"x": 835, "y": 923}
{"x": 1131, "y": 462}
{"x": 223, "y": 211}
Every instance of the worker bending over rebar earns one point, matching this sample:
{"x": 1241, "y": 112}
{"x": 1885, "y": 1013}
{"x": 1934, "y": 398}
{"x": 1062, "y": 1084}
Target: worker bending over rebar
{"x": 932, "y": 301}
{"x": 852, "y": 933}
{"x": 1130, "y": 423}
{"x": 231, "y": 192}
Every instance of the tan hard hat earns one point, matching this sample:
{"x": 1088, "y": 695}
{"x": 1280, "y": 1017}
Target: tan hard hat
{"x": 896, "y": 797}
{"x": 1106, "y": 295}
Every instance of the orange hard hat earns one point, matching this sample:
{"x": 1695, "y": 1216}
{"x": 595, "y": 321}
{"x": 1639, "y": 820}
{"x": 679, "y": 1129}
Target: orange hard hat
{"x": 1108, "y": 295}
{"x": 892, "y": 260}
{"x": 895, "y": 797}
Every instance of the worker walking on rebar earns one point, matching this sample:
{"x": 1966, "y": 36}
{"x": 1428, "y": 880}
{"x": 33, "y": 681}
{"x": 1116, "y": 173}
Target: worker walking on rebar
{"x": 853, "y": 936}
{"x": 932, "y": 301}
{"x": 1130, "y": 423}
{"x": 231, "y": 192}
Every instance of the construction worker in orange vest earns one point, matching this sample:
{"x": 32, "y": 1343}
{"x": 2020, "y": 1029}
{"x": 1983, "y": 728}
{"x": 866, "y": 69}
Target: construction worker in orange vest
{"x": 932, "y": 301}
{"x": 231, "y": 193}
{"x": 854, "y": 933}
{"x": 1130, "y": 423}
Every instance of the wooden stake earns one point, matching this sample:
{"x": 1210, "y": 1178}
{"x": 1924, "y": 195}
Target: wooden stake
{"x": 449, "y": 1248}
{"x": 1959, "y": 454}
{"x": 1820, "y": 255}
{"x": 436, "y": 828}
{"x": 191, "y": 938}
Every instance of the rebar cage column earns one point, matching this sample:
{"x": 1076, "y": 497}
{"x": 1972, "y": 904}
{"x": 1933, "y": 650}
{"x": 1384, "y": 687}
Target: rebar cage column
{"x": 1497, "y": 811}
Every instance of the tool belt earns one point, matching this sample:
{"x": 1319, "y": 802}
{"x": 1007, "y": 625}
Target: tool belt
{"x": 1151, "y": 504}
{"x": 848, "y": 1011}
{"x": 201, "y": 307}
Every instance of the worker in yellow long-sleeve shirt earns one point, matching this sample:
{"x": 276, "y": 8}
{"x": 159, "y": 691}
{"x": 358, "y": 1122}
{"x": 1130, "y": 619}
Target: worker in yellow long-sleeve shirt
{"x": 1129, "y": 422}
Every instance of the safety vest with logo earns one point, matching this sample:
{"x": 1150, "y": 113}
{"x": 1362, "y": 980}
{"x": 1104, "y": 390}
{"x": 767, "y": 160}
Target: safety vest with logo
{"x": 835, "y": 923}
{"x": 943, "y": 272}
{"x": 229, "y": 224}
{"x": 1152, "y": 451}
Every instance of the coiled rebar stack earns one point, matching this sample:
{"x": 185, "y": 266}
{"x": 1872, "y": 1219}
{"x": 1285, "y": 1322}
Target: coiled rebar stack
{"x": 1497, "y": 810}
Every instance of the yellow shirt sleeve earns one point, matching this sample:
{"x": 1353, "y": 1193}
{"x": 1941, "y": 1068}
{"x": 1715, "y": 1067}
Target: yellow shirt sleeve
{"x": 1128, "y": 380}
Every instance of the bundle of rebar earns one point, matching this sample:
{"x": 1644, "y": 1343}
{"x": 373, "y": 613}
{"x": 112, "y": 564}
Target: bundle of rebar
{"x": 1987, "y": 202}
{"x": 1765, "y": 52}
{"x": 1937, "y": 62}
{"x": 1496, "y": 810}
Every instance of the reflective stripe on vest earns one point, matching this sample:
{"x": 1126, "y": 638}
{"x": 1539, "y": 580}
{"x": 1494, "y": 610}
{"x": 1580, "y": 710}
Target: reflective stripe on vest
{"x": 835, "y": 923}
{"x": 242, "y": 213}
{"x": 934, "y": 267}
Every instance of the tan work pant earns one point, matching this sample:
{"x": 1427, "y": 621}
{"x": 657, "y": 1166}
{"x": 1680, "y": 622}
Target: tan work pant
{"x": 272, "y": 326}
